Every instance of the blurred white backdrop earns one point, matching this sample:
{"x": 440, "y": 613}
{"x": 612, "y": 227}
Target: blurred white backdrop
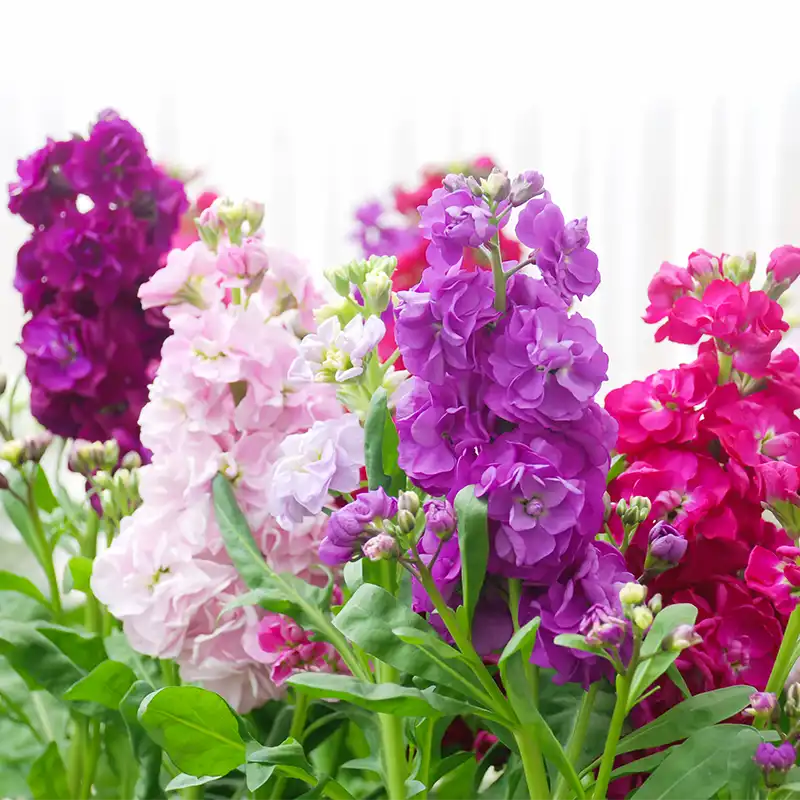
{"x": 672, "y": 126}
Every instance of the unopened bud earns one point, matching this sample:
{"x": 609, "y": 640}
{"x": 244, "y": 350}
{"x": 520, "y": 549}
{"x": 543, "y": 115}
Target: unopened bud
{"x": 440, "y": 518}
{"x": 642, "y": 617}
{"x": 634, "y": 511}
{"x": 608, "y": 507}
{"x": 666, "y": 547}
{"x": 209, "y": 235}
{"x": 474, "y": 187}
{"x": 131, "y": 460}
{"x": 525, "y": 187}
{"x": 3, "y": 383}
{"x": 380, "y": 548}
{"x": 3, "y": 482}
{"x": 454, "y": 182}
{"x": 85, "y": 457}
{"x": 385, "y": 264}
{"x": 739, "y": 269}
{"x": 122, "y": 477}
{"x": 408, "y": 501}
{"x": 406, "y": 521}
{"x": 34, "y": 447}
{"x": 681, "y": 638}
{"x": 342, "y": 309}
{"x": 111, "y": 453}
{"x": 339, "y": 278}
{"x": 497, "y": 186}
{"x": 102, "y": 479}
{"x": 377, "y": 289}
{"x": 762, "y": 704}
{"x": 655, "y": 603}
{"x": 254, "y": 214}
{"x": 230, "y": 214}
{"x": 632, "y": 594}
{"x": 12, "y": 451}
{"x": 792, "y": 704}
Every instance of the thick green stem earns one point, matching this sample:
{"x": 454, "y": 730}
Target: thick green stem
{"x": 76, "y": 754}
{"x": 90, "y": 759}
{"x": 393, "y": 747}
{"x": 532, "y": 765}
{"x": 783, "y": 661}
{"x": 577, "y": 738}
{"x": 614, "y": 732}
{"x": 499, "y": 276}
{"x": 94, "y": 612}
{"x": 425, "y": 739}
{"x": 725, "y": 364}
{"x": 169, "y": 673}
{"x": 46, "y": 552}
{"x": 296, "y": 731}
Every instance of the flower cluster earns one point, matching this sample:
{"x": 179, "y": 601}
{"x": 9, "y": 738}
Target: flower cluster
{"x": 516, "y": 421}
{"x": 222, "y": 401}
{"x": 708, "y": 444}
{"x": 103, "y": 217}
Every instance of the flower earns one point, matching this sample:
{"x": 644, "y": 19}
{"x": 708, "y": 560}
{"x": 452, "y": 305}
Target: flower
{"x": 562, "y": 254}
{"x": 525, "y": 186}
{"x": 554, "y": 376}
{"x": 784, "y": 263}
{"x": 354, "y": 522}
{"x": 667, "y": 546}
{"x": 380, "y": 547}
{"x": 438, "y": 321}
{"x": 771, "y": 758}
{"x": 779, "y": 481}
{"x": 440, "y": 517}
{"x": 776, "y": 575}
{"x": 601, "y": 628}
{"x": 453, "y": 220}
{"x": 186, "y": 278}
{"x": 762, "y": 704}
{"x": 668, "y": 284}
{"x": 326, "y": 458}
{"x": 682, "y": 637}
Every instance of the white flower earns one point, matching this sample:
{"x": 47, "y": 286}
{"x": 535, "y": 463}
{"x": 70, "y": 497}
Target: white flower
{"x": 326, "y": 458}
{"x": 336, "y": 354}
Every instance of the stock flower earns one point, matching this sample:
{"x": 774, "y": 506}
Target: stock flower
{"x": 776, "y": 575}
{"x": 784, "y": 263}
{"x": 667, "y": 546}
{"x": 185, "y": 280}
{"x": 438, "y": 321}
{"x": 779, "y": 758}
{"x": 556, "y": 373}
{"x": 326, "y": 458}
{"x": 440, "y": 518}
{"x": 562, "y": 253}
{"x": 668, "y": 284}
{"x": 601, "y": 628}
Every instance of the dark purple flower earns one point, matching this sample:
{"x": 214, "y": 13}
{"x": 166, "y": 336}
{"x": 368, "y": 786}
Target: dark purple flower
{"x": 438, "y": 426}
{"x": 437, "y": 322}
{"x": 348, "y": 526}
{"x": 602, "y": 628}
{"x": 667, "y": 546}
{"x": 453, "y": 221}
{"x": 769, "y": 757}
{"x": 562, "y": 254}
{"x": 440, "y": 520}
{"x": 544, "y": 365}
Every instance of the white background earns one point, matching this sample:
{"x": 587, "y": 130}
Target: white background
{"x": 671, "y": 125}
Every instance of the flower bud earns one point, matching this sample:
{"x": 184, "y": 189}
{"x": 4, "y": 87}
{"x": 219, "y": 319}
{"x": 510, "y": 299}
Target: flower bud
{"x": 230, "y": 214}
{"x": 86, "y": 457}
{"x": 208, "y": 235}
{"x": 775, "y": 761}
{"x": 454, "y": 182}
{"x": 12, "y": 451}
{"x": 34, "y": 446}
{"x": 3, "y": 383}
{"x": 681, "y": 638}
{"x": 254, "y": 214}
{"x": 497, "y": 186}
{"x": 440, "y": 518}
{"x": 377, "y": 290}
{"x": 792, "y": 704}
{"x": 666, "y": 548}
{"x": 131, "y": 460}
{"x": 408, "y": 501}
{"x": 102, "y": 479}
{"x": 380, "y": 548}
{"x": 739, "y": 269}
{"x": 392, "y": 381}
{"x": 384, "y": 264}
{"x": 525, "y": 187}
{"x": 474, "y": 187}
{"x": 339, "y": 278}
{"x": 111, "y": 453}
{"x": 762, "y": 704}
{"x": 3, "y": 482}
{"x": 406, "y": 520}
{"x": 601, "y": 628}
{"x": 638, "y": 510}
{"x": 608, "y": 507}
{"x": 655, "y": 603}
{"x": 357, "y": 271}
{"x": 632, "y": 594}
{"x": 342, "y": 309}
{"x": 642, "y": 617}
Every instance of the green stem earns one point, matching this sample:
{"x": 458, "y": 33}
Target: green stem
{"x": 169, "y": 673}
{"x": 90, "y": 759}
{"x": 577, "y": 738}
{"x": 296, "y": 731}
{"x": 393, "y": 747}
{"x": 630, "y": 532}
{"x": 623, "y": 685}
{"x": 94, "y": 612}
{"x": 532, "y": 764}
{"x": 783, "y": 661}
{"x": 76, "y": 755}
{"x": 46, "y": 551}
{"x": 725, "y": 364}
{"x": 390, "y": 361}
{"x": 499, "y": 276}
{"x": 425, "y": 739}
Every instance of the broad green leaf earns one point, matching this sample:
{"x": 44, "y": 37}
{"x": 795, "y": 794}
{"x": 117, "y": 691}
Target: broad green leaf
{"x": 458, "y": 782}
{"x": 473, "y": 544}
{"x": 674, "y": 674}
{"x": 119, "y": 649}
{"x": 42, "y": 493}
{"x": 9, "y": 582}
{"x": 353, "y": 574}
{"x": 374, "y": 431}
{"x": 19, "y": 515}
{"x": 256, "y": 775}
{"x": 522, "y": 641}
{"x": 383, "y": 698}
{"x": 288, "y": 758}
{"x": 78, "y": 574}
{"x": 702, "y": 765}
{"x": 681, "y": 721}
{"x": 105, "y": 685}
{"x": 84, "y": 649}
{"x": 195, "y": 727}
{"x": 646, "y": 764}
{"x": 414, "y": 788}
{"x": 654, "y": 667}
{"x": 370, "y": 619}
{"x": 450, "y": 763}
{"x": 574, "y": 642}
{"x": 48, "y": 776}
{"x": 146, "y": 752}
{"x": 184, "y": 781}
{"x": 618, "y": 465}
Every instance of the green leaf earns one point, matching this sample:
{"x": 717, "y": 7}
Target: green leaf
{"x": 184, "y": 781}
{"x": 288, "y": 758}
{"x": 78, "y": 574}
{"x": 374, "y": 432}
{"x": 654, "y": 667}
{"x": 674, "y": 674}
{"x": 646, "y": 764}
{"x": 48, "y": 776}
{"x": 575, "y": 642}
{"x": 686, "y": 718}
{"x": 370, "y": 619}
{"x": 18, "y": 513}
{"x": 146, "y": 752}
{"x": 383, "y": 698}
{"x": 84, "y": 649}
{"x": 473, "y": 544}
{"x": 42, "y": 493}
{"x": 702, "y": 765}
{"x": 195, "y": 727}
{"x": 618, "y": 465}
{"x": 9, "y": 582}
{"x": 458, "y": 782}
{"x": 522, "y": 641}
{"x": 105, "y": 685}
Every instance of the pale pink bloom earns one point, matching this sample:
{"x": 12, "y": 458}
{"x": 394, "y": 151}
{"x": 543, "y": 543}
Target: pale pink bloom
{"x": 287, "y": 290}
{"x": 243, "y": 263}
{"x": 326, "y": 458}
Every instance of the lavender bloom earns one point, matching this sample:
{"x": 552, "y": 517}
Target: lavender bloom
{"x": 554, "y": 375}
{"x": 526, "y": 186}
{"x": 380, "y": 547}
{"x": 601, "y": 628}
{"x": 563, "y": 257}
{"x": 440, "y": 520}
{"x": 438, "y": 321}
{"x": 762, "y": 704}
{"x": 350, "y": 525}
{"x": 780, "y": 759}
{"x": 453, "y": 221}
{"x": 667, "y": 546}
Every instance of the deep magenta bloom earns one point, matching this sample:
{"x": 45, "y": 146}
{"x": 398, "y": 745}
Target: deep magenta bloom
{"x": 666, "y": 286}
{"x": 438, "y": 321}
{"x": 453, "y": 221}
{"x": 784, "y": 263}
{"x": 543, "y": 365}
{"x": 563, "y": 256}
